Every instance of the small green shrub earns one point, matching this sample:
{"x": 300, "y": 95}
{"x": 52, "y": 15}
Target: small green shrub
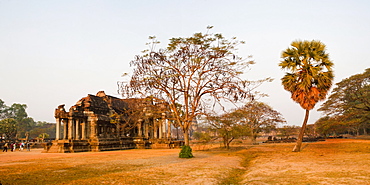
{"x": 186, "y": 152}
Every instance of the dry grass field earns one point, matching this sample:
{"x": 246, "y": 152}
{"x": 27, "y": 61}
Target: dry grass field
{"x": 335, "y": 161}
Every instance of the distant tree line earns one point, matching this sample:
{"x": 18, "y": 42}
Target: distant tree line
{"x": 247, "y": 121}
{"x": 15, "y": 124}
{"x": 347, "y": 110}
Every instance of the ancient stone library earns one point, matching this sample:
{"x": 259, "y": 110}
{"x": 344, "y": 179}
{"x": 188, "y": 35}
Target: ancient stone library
{"x": 101, "y": 122}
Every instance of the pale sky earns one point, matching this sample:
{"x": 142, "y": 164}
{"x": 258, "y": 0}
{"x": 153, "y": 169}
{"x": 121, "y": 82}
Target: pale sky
{"x": 56, "y": 52}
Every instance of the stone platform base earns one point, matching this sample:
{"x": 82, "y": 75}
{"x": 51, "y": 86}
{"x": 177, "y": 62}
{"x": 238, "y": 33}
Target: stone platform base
{"x": 97, "y": 145}
{"x": 163, "y": 143}
{"x": 91, "y": 145}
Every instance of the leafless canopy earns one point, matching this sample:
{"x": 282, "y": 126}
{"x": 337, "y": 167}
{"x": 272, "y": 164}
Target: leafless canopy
{"x": 190, "y": 74}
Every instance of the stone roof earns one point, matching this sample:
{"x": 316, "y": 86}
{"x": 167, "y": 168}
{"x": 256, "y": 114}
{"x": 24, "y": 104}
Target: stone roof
{"x": 100, "y": 104}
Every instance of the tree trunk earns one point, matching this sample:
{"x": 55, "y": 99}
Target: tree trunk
{"x": 186, "y": 136}
{"x": 297, "y": 147}
{"x": 225, "y": 138}
{"x": 229, "y": 141}
{"x": 254, "y": 138}
{"x": 226, "y": 143}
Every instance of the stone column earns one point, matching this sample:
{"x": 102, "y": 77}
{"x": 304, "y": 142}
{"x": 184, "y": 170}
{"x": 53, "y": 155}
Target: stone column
{"x": 160, "y": 125}
{"x": 93, "y": 128}
{"x": 57, "y": 130}
{"x": 118, "y": 130}
{"x": 169, "y": 129}
{"x": 83, "y": 129}
{"x": 65, "y": 125}
{"x": 77, "y": 129}
{"x": 73, "y": 129}
{"x": 155, "y": 128}
{"x": 143, "y": 128}
{"x": 146, "y": 124}
{"x": 70, "y": 128}
{"x": 139, "y": 132}
{"x": 88, "y": 129}
{"x": 151, "y": 131}
{"x": 163, "y": 131}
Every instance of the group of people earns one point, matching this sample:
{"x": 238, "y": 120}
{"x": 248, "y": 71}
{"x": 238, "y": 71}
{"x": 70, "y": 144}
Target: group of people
{"x": 13, "y": 146}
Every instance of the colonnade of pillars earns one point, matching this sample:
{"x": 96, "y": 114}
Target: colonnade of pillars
{"x": 160, "y": 129}
{"x": 81, "y": 129}
{"x": 76, "y": 129}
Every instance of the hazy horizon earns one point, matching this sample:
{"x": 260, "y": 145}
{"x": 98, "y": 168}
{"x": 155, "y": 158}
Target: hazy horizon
{"x": 56, "y": 52}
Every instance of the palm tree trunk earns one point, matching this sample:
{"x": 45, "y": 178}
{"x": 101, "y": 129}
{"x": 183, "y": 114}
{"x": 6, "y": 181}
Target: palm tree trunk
{"x": 297, "y": 147}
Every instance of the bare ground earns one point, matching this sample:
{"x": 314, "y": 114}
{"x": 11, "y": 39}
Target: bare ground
{"x": 341, "y": 161}
{"x": 115, "y": 167}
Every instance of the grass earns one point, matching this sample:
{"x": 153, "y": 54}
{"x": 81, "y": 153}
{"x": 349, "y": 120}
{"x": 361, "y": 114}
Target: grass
{"x": 50, "y": 171}
{"x": 235, "y": 175}
{"x": 330, "y": 162}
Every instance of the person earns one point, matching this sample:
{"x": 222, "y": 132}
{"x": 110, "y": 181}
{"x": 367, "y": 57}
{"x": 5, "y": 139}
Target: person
{"x": 14, "y": 147}
{"x": 28, "y": 145}
{"x": 5, "y": 147}
{"x": 21, "y": 145}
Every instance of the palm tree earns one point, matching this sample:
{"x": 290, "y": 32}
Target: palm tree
{"x": 309, "y": 78}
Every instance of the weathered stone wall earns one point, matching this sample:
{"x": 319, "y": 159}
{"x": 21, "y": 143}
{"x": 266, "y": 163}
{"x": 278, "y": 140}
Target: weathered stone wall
{"x": 102, "y": 122}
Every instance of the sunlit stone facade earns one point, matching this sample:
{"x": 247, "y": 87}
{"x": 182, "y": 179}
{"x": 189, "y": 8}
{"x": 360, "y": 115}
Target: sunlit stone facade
{"x": 102, "y": 122}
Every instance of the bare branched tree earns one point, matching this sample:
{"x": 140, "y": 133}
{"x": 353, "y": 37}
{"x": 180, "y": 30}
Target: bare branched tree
{"x": 190, "y": 74}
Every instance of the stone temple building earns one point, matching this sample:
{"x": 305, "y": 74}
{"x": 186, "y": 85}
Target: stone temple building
{"x": 102, "y": 122}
